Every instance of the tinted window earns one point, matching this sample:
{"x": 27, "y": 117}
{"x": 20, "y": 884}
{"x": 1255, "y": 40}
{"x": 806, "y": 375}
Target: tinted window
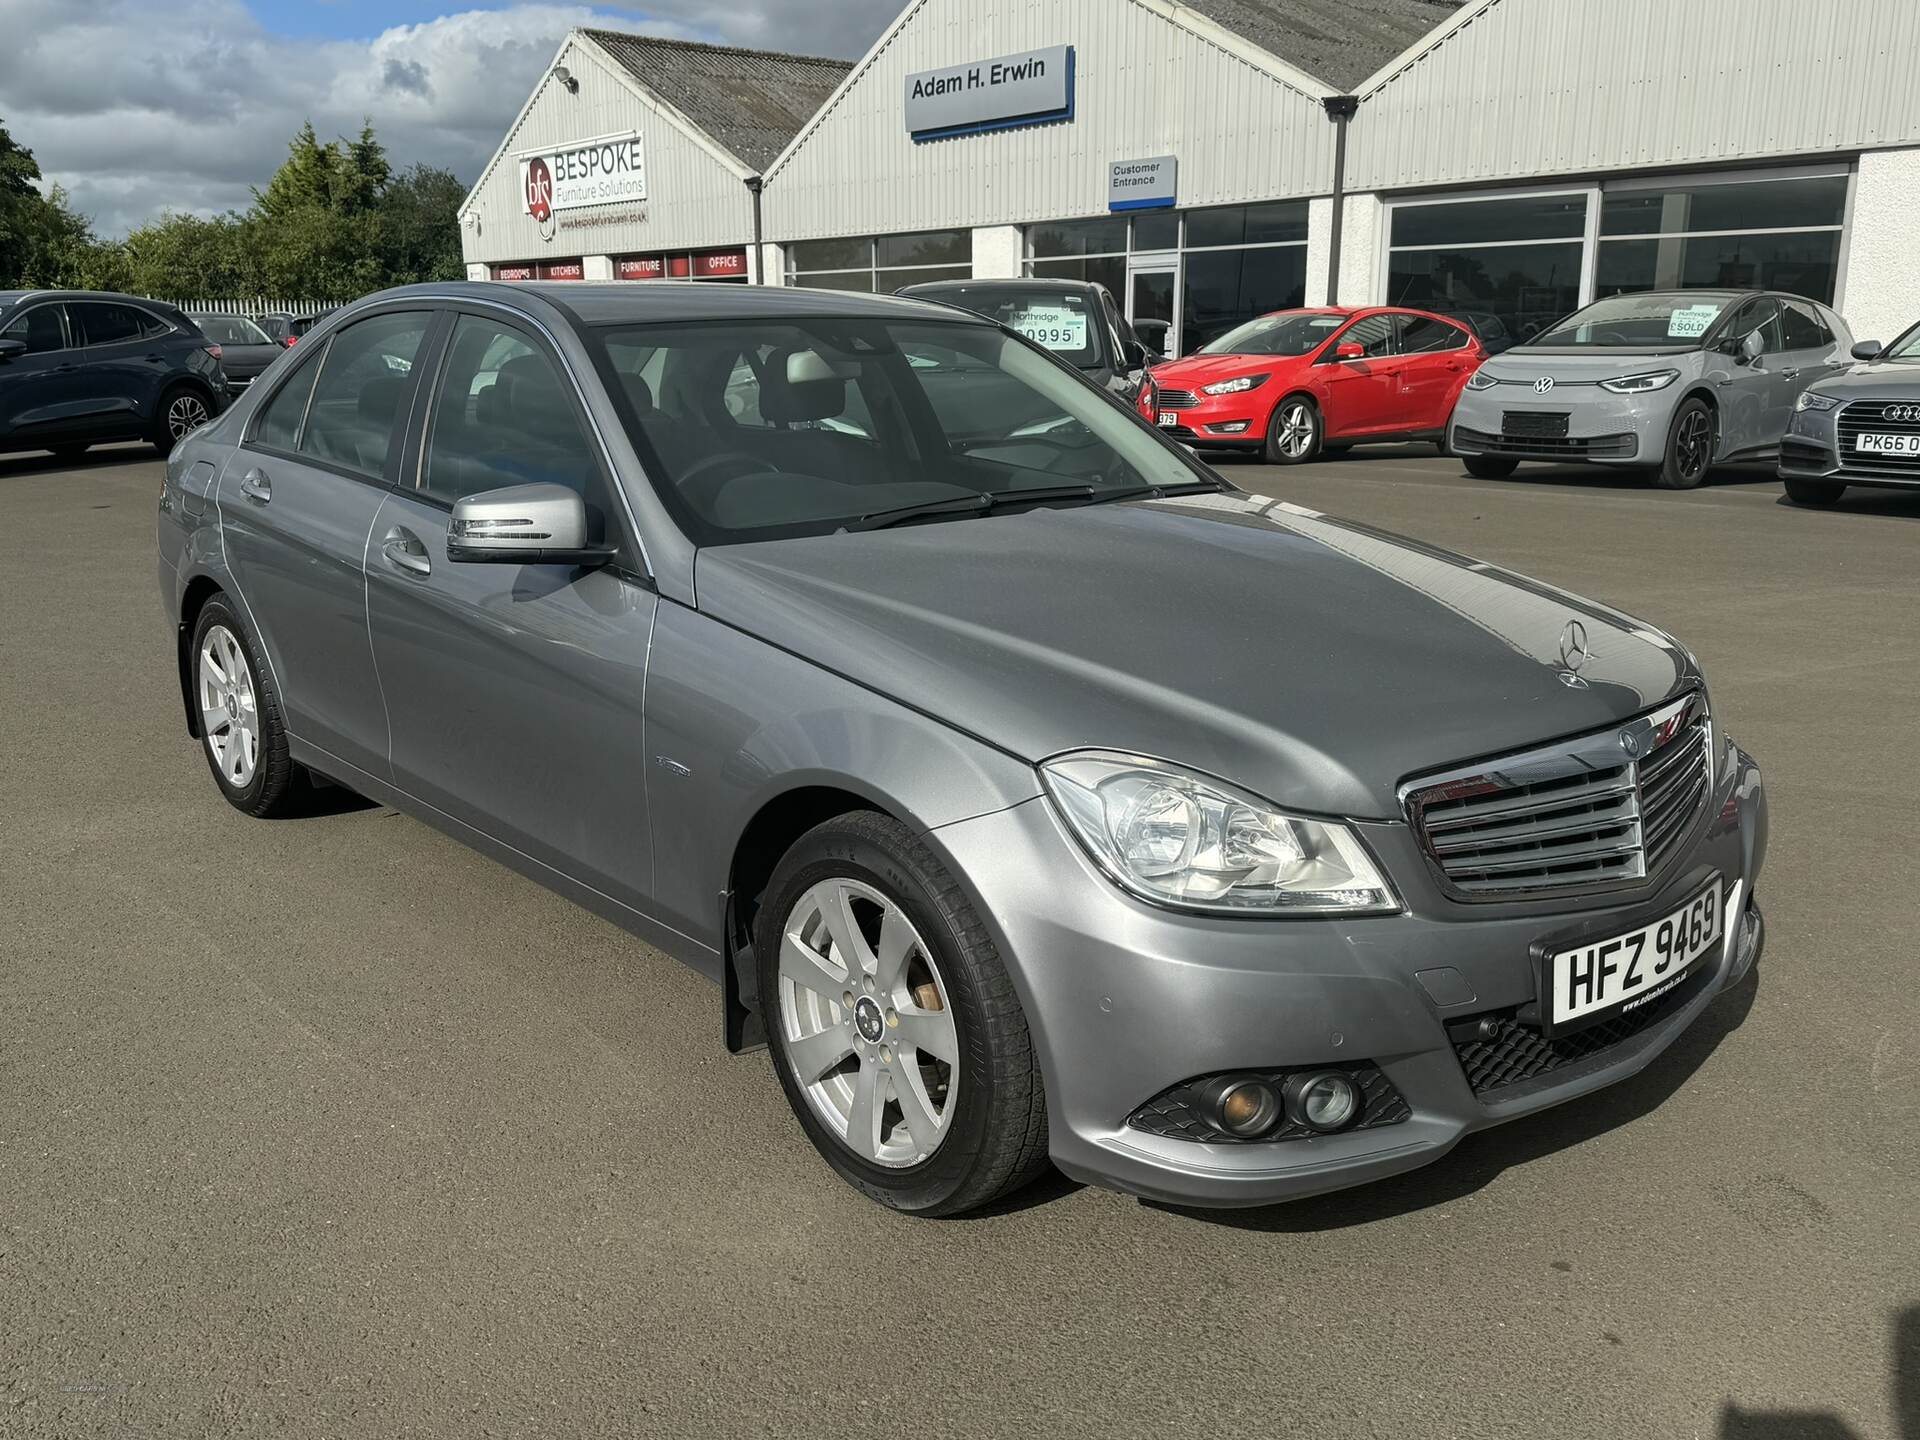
{"x": 1247, "y": 224}
{"x": 1762, "y": 315}
{"x": 1806, "y": 263}
{"x": 1223, "y": 288}
{"x": 1419, "y": 335}
{"x": 936, "y": 247}
{"x": 835, "y": 419}
{"x": 1640, "y": 321}
{"x": 1375, "y": 333}
{"x": 1465, "y": 222}
{"x": 505, "y": 415}
{"x": 39, "y": 328}
{"x": 1107, "y": 270}
{"x": 1801, "y": 329}
{"x": 1527, "y": 287}
{"x": 364, "y": 376}
{"x": 830, "y": 255}
{"x": 101, "y": 324}
{"x": 1105, "y": 236}
{"x": 279, "y": 424}
{"x": 231, "y": 330}
{"x": 1295, "y": 334}
{"x": 1748, "y": 205}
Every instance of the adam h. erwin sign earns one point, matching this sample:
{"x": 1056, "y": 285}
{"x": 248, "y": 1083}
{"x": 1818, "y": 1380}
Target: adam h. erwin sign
{"x": 609, "y": 170}
{"x": 1030, "y": 88}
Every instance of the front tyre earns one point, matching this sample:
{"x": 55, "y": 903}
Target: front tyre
{"x": 1488, "y": 467}
{"x": 1295, "y": 432}
{"x": 241, "y": 730}
{"x": 1813, "y": 492}
{"x": 1689, "y": 447}
{"x": 894, "y": 1027}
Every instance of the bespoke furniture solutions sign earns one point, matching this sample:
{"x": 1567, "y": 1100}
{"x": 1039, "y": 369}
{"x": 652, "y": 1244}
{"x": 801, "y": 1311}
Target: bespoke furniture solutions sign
{"x": 608, "y": 170}
{"x": 1033, "y": 87}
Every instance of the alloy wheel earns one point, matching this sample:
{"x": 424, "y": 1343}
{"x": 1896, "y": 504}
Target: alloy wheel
{"x": 1296, "y": 429}
{"x": 229, "y": 708}
{"x": 186, "y": 414}
{"x": 1693, "y": 446}
{"x": 867, "y": 1024}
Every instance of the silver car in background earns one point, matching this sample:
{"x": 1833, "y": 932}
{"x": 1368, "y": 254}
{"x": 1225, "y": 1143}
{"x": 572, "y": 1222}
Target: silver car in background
{"x": 1861, "y": 427}
{"x": 1673, "y": 382}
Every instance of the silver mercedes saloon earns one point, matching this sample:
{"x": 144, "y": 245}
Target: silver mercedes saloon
{"x": 1031, "y": 794}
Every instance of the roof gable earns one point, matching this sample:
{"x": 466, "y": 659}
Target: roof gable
{"x": 1339, "y": 41}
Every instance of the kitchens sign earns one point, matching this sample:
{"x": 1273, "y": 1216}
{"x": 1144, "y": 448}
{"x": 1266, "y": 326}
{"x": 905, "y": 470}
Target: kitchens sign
{"x": 609, "y": 170}
{"x": 1030, "y": 88}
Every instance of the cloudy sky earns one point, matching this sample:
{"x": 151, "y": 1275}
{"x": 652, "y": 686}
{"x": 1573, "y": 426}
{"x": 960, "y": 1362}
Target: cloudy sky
{"x": 140, "y": 106}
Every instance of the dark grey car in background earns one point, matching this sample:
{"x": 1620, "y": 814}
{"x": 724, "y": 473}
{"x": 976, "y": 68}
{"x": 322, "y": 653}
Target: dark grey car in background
{"x": 1860, "y": 427}
{"x": 245, "y": 349}
{"x": 1031, "y": 793}
{"x": 1077, "y": 320}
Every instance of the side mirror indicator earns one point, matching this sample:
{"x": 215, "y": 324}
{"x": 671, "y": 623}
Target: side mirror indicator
{"x": 523, "y": 525}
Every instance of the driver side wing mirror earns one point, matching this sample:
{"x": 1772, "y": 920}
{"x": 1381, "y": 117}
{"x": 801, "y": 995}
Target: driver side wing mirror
{"x": 10, "y": 349}
{"x": 1349, "y": 350}
{"x": 1752, "y": 347}
{"x": 523, "y": 525}
{"x": 1862, "y": 349}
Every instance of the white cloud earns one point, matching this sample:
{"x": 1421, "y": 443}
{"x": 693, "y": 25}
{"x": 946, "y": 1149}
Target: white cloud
{"x": 135, "y": 114}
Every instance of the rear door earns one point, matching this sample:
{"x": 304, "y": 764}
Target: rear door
{"x": 515, "y": 691}
{"x": 1436, "y": 357}
{"x": 297, "y": 502}
{"x": 36, "y": 389}
{"x": 1361, "y": 396}
{"x": 1811, "y": 353}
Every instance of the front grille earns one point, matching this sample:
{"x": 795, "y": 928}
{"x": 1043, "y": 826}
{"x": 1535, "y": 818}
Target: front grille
{"x": 1173, "y": 1113}
{"x": 1175, "y": 399}
{"x": 1596, "y": 812}
{"x": 1869, "y": 416}
{"x": 1546, "y": 447}
{"x": 1534, "y": 424}
{"x": 1518, "y": 1053}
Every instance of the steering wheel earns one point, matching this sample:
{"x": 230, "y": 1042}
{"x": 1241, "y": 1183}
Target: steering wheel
{"x": 704, "y": 480}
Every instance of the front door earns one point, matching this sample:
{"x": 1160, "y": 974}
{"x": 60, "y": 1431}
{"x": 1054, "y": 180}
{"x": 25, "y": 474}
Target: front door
{"x": 1362, "y": 391}
{"x": 37, "y": 389}
{"x": 296, "y": 503}
{"x": 514, "y": 691}
{"x": 1153, "y": 305}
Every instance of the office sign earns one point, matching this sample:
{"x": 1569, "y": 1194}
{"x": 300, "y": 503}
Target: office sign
{"x": 720, "y": 264}
{"x": 609, "y": 170}
{"x": 1032, "y": 87}
{"x": 1143, "y": 184}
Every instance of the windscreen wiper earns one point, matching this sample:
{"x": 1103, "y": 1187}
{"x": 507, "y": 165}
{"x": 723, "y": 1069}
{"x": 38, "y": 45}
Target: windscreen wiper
{"x": 1155, "y": 492}
{"x": 978, "y": 504}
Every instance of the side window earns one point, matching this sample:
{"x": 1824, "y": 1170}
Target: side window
{"x": 278, "y": 427}
{"x": 505, "y": 415}
{"x": 102, "y": 324}
{"x": 1801, "y": 329}
{"x": 40, "y": 328}
{"x": 1421, "y": 336}
{"x": 1375, "y": 333}
{"x": 1762, "y": 315}
{"x": 364, "y": 376}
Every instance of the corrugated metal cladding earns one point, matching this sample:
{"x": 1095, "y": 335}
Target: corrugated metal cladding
{"x": 1555, "y": 87}
{"x": 696, "y": 200}
{"x": 1143, "y": 86}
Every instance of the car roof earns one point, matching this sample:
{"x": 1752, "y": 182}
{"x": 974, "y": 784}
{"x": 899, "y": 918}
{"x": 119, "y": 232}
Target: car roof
{"x": 999, "y": 282}
{"x": 661, "y": 301}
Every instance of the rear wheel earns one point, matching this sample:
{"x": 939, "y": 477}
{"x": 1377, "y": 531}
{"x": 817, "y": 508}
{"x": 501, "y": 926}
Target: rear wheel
{"x": 1489, "y": 467}
{"x": 894, "y": 1027}
{"x": 1295, "y": 432}
{"x": 1689, "y": 447}
{"x": 1813, "y": 492}
{"x": 183, "y": 410}
{"x": 239, "y": 712}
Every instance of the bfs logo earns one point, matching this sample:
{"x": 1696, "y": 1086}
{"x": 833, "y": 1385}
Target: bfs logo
{"x": 539, "y": 190}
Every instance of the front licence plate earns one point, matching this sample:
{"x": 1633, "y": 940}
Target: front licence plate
{"x": 1629, "y": 970}
{"x": 1169, "y": 417}
{"x": 1881, "y": 444}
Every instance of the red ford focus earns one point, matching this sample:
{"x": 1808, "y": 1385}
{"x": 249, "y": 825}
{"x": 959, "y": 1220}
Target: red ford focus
{"x": 1299, "y": 383}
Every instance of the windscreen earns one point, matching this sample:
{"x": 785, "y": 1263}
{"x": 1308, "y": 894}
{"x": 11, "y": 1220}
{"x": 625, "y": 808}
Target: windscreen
{"x": 231, "y": 330}
{"x": 1907, "y": 347}
{"x": 1067, "y": 322}
{"x": 1638, "y": 322}
{"x": 1297, "y": 334}
{"x": 756, "y": 430}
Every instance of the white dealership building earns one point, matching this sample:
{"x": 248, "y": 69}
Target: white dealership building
{"x": 1212, "y": 159}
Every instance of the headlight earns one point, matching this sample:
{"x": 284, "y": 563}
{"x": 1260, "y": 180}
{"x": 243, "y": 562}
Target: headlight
{"x": 1814, "y": 400}
{"x": 1181, "y": 839}
{"x": 1235, "y": 385}
{"x": 1640, "y": 384}
{"x": 1480, "y": 380}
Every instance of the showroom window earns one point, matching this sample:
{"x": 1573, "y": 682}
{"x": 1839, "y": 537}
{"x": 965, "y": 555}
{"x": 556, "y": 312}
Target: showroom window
{"x": 881, "y": 263}
{"x": 1512, "y": 259}
{"x": 1772, "y": 234}
{"x": 1225, "y": 265}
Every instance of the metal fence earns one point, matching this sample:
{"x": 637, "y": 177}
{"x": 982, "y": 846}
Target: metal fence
{"x": 259, "y": 305}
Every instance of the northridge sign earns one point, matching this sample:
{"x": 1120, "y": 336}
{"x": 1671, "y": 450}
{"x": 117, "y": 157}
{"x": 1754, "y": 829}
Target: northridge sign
{"x": 1032, "y": 87}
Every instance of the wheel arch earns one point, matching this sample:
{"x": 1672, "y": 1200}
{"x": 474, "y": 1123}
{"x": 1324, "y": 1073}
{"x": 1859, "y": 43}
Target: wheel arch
{"x": 193, "y": 600}
{"x": 1702, "y": 391}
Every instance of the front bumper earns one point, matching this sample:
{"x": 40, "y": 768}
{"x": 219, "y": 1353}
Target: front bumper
{"x": 1810, "y": 450}
{"x": 1126, "y": 1000}
{"x": 1222, "y": 422}
{"x": 1601, "y": 428}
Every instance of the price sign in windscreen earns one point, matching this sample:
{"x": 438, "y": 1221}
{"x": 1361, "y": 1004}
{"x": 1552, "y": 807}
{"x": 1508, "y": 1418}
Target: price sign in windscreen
{"x": 1060, "y": 328}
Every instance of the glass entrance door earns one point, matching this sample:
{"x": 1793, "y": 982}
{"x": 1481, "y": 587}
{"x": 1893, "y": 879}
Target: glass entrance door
{"x": 1153, "y": 305}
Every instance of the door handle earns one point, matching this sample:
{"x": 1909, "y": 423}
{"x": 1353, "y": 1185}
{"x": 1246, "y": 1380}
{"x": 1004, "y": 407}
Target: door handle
{"x": 256, "y": 487}
{"x": 404, "y": 551}
{"x": 1788, "y": 374}
{"x": 66, "y": 369}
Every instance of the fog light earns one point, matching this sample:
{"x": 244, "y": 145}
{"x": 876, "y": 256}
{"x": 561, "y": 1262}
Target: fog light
{"x": 1229, "y": 427}
{"x": 1324, "y": 1100}
{"x": 1240, "y": 1105}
